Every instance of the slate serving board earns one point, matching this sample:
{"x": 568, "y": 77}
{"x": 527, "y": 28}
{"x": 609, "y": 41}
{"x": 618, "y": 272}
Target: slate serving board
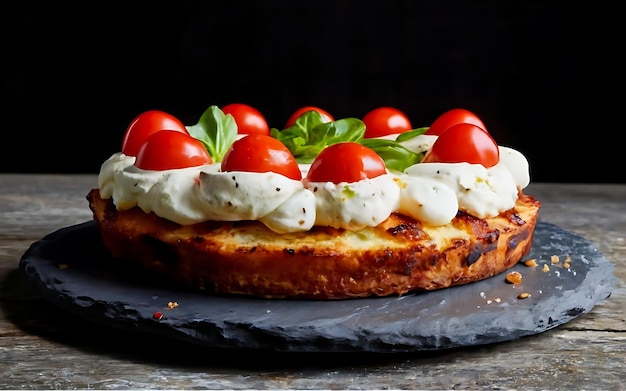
{"x": 68, "y": 268}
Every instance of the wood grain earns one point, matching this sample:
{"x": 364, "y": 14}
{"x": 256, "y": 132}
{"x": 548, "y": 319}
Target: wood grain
{"x": 43, "y": 347}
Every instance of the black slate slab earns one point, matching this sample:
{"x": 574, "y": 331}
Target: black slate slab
{"x": 67, "y": 268}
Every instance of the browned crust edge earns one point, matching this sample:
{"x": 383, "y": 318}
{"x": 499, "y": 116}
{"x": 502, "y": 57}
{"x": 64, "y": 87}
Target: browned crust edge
{"x": 215, "y": 257}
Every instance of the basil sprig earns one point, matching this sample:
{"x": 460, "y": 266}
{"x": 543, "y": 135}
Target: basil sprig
{"x": 306, "y": 138}
{"x": 216, "y": 130}
{"x": 411, "y": 133}
{"x": 310, "y": 134}
{"x": 395, "y": 155}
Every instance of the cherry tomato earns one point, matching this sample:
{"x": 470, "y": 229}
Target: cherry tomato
{"x": 248, "y": 119}
{"x": 169, "y": 149}
{"x": 326, "y": 117}
{"x": 144, "y": 125}
{"x": 383, "y": 121}
{"x": 346, "y": 162}
{"x": 464, "y": 143}
{"x": 453, "y": 117}
{"x": 261, "y": 153}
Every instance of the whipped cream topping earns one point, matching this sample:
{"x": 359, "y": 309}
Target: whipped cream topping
{"x": 432, "y": 193}
{"x": 356, "y": 205}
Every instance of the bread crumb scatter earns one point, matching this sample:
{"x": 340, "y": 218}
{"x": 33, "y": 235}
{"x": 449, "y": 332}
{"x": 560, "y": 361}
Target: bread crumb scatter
{"x": 554, "y": 259}
{"x": 172, "y": 305}
{"x": 530, "y": 262}
{"x": 523, "y": 295}
{"x": 514, "y": 277}
{"x": 545, "y": 268}
{"x": 566, "y": 262}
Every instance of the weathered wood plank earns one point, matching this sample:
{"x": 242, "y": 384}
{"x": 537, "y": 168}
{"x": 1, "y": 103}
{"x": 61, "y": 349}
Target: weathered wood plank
{"x": 34, "y": 205}
{"x": 43, "y": 347}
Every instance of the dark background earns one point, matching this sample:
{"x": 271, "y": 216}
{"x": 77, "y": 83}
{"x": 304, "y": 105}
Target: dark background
{"x": 544, "y": 76}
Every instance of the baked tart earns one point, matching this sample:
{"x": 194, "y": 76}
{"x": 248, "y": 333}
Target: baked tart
{"x": 285, "y": 216}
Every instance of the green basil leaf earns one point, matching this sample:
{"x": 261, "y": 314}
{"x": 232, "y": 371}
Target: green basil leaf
{"x": 395, "y": 156}
{"x": 411, "y": 133}
{"x": 309, "y": 135}
{"x": 216, "y": 130}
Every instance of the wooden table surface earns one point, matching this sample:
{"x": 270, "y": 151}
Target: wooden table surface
{"x": 43, "y": 347}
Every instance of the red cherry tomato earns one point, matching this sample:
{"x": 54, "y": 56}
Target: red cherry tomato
{"x": 260, "y": 153}
{"x": 144, "y": 125}
{"x": 383, "y": 121}
{"x": 464, "y": 143}
{"x": 346, "y": 162}
{"x": 326, "y": 117}
{"x": 169, "y": 149}
{"x": 453, "y": 117}
{"x": 248, "y": 119}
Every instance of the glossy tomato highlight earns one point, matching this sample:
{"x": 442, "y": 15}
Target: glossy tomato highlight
{"x": 144, "y": 125}
{"x": 248, "y": 119}
{"x": 453, "y": 117}
{"x": 384, "y": 121}
{"x": 464, "y": 143}
{"x": 169, "y": 149}
{"x": 346, "y": 162}
{"x": 261, "y": 153}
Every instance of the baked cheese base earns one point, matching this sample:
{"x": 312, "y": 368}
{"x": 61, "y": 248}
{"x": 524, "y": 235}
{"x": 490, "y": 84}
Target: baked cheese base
{"x": 398, "y": 256}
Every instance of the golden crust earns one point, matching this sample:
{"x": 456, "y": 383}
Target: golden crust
{"x": 245, "y": 258}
